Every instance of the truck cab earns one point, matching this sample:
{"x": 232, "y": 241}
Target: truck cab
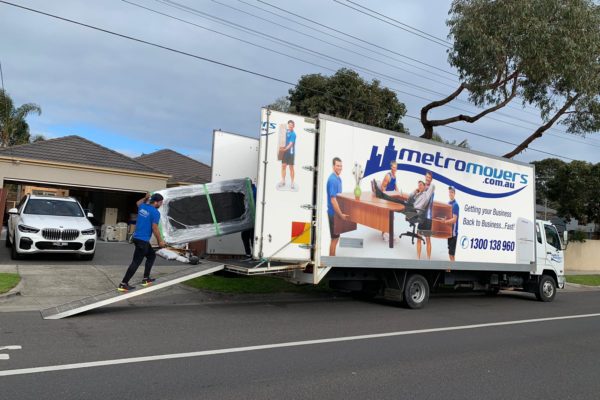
{"x": 550, "y": 258}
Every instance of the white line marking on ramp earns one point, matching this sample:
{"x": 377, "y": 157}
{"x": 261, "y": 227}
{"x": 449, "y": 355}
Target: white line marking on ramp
{"x": 132, "y": 360}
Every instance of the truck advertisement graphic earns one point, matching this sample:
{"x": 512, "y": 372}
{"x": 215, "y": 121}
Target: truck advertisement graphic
{"x": 285, "y": 186}
{"x": 394, "y": 197}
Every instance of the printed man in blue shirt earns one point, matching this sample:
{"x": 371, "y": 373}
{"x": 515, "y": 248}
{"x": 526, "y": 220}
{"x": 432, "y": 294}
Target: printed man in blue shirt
{"x": 146, "y": 224}
{"x": 289, "y": 153}
{"x": 334, "y": 187}
{"x": 454, "y": 221}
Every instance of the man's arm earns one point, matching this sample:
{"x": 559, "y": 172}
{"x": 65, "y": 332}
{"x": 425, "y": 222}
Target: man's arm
{"x": 337, "y": 209}
{"x": 157, "y": 235}
{"x": 385, "y": 182}
{"x": 142, "y": 201}
{"x": 451, "y": 220}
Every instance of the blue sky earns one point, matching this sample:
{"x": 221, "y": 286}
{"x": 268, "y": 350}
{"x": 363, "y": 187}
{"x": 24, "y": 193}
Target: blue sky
{"x": 136, "y": 99}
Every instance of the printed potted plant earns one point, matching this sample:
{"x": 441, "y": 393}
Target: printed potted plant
{"x": 358, "y": 172}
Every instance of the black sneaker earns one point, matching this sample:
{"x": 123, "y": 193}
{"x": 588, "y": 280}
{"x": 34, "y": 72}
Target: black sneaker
{"x": 147, "y": 281}
{"x": 125, "y": 287}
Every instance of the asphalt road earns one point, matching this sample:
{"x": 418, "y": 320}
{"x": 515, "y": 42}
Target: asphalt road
{"x": 557, "y": 358}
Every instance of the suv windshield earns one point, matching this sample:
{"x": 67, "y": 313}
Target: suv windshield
{"x": 53, "y": 207}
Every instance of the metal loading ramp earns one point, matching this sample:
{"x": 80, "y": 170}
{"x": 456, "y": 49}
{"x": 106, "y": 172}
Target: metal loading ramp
{"x": 96, "y": 301}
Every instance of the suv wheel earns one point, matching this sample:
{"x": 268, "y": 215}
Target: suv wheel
{"x": 7, "y": 241}
{"x": 13, "y": 253}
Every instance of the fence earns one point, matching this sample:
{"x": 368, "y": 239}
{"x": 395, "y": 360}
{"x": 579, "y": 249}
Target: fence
{"x": 583, "y": 256}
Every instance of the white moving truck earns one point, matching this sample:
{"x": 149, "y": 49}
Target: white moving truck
{"x": 382, "y": 213}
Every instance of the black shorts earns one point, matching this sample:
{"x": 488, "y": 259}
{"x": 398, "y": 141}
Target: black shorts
{"x": 425, "y": 227}
{"x": 452, "y": 245}
{"x": 331, "y": 230}
{"x": 288, "y": 158}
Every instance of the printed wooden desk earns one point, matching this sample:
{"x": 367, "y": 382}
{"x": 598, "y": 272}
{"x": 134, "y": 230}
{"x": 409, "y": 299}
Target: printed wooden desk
{"x": 379, "y": 214}
{"x": 369, "y": 211}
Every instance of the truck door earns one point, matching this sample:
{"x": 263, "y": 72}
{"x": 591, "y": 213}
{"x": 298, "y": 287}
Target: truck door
{"x": 285, "y": 187}
{"x": 553, "y": 254}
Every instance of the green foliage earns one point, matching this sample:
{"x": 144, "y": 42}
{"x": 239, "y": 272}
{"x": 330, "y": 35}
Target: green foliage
{"x": 14, "y": 129}
{"x": 8, "y": 281}
{"x": 589, "y": 280}
{"x": 253, "y": 284}
{"x": 547, "y": 52}
{"x": 464, "y": 144}
{"x": 578, "y": 236}
{"x": 575, "y": 189}
{"x": 545, "y": 171}
{"x": 346, "y": 95}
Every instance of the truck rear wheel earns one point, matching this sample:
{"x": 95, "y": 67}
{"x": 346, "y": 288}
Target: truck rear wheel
{"x": 546, "y": 289}
{"x": 416, "y": 292}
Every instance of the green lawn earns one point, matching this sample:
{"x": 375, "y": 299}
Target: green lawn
{"x": 8, "y": 281}
{"x": 252, "y": 284}
{"x": 590, "y": 280}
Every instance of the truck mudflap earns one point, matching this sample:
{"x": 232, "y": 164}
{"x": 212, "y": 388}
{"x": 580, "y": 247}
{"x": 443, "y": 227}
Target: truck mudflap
{"x": 561, "y": 281}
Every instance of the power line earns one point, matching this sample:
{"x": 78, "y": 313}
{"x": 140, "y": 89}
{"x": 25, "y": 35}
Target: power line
{"x": 399, "y": 22}
{"x": 312, "y": 28}
{"x": 329, "y": 43}
{"x": 222, "y": 64}
{"x": 375, "y": 73}
{"x": 288, "y": 43}
{"x": 310, "y": 63}
{"x": 356, "y": 38}
{"x": 432, "y": 39}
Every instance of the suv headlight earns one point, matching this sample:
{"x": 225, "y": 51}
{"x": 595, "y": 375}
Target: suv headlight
{"x": 28, "y": 229}
{"x": 91, "y": 231}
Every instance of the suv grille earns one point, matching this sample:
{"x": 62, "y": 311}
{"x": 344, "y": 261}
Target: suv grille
{"x": 57, "y": 234}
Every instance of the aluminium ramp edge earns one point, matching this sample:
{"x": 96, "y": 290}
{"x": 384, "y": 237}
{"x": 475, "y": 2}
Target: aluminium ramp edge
{"x": 92, "y": 302}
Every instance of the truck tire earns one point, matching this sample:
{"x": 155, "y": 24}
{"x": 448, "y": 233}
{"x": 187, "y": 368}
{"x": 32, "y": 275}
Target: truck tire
{"x": 416, "y": 292}
{"x": 546, "y": 289}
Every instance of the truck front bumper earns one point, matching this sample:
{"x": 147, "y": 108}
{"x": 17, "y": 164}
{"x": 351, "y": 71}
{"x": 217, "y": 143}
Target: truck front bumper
{"x": 561, "y": 281}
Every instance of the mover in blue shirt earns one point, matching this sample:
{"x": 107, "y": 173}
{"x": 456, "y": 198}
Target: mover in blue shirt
{"x": 146, "y": 224}
{"x": 289, "y": 154}
{"x": 334, "y": 187}
{"x": 454, "y": 221}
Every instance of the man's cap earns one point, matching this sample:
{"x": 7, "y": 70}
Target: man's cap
{"x": 156, "y": 197}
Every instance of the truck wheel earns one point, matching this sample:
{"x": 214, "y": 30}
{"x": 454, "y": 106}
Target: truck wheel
{"x": 416, "y": 292}
{"x": 546, "y": 289}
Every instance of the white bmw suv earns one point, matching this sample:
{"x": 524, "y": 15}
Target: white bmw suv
{"x": 44, "y": 224}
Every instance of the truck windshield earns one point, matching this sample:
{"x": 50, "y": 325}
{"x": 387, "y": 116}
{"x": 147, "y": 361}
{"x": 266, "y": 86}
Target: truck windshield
{"x": 552, "y": 236}
{"x": 53, "y": 207}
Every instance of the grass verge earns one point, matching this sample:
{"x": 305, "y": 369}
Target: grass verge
{"x": 8, "y": 281}
{"x": 589, "y": 280}
{"x": 252, "y": 284}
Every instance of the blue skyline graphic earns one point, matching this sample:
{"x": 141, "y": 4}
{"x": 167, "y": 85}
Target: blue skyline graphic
{"x": 381, "y": 162}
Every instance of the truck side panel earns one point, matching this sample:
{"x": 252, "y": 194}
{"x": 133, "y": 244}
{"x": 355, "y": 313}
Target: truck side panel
{"x": 493, "y": 211}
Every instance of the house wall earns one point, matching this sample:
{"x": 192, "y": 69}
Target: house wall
{"x": 78, "y": 175}
{"x": 583, "y": 256}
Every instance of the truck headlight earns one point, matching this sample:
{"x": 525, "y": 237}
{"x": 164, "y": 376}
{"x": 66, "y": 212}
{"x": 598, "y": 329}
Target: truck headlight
{"x": 27, "y": 229}
{"x": 91, "y": 231}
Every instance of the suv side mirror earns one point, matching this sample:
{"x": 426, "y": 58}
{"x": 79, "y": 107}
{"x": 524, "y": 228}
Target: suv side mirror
{"x": 13, "y": 211}
{"x": 90, "y": 215}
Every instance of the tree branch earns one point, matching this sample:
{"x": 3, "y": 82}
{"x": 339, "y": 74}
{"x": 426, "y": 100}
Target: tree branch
{"x": 539, "y": 131}
{"x": 472, "y": 119}
{"x": 428, "y": 125}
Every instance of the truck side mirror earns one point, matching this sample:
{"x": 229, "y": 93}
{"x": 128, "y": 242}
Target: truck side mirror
{"x": 565, "y": 240}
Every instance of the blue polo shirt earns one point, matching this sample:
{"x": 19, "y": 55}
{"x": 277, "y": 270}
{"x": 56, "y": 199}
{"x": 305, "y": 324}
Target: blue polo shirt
{"x": 290, "y": 137}
{"x": 334, "y": 186}
{"x": 455, "y": 211}
{"x": 147, "y": 215}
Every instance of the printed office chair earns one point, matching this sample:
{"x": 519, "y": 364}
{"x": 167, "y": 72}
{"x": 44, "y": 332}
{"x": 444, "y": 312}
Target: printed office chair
{"x": 415, "y": 218}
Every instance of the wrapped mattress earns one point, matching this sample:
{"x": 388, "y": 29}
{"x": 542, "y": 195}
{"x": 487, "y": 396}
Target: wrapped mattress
{"x": 196, "y": 212}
